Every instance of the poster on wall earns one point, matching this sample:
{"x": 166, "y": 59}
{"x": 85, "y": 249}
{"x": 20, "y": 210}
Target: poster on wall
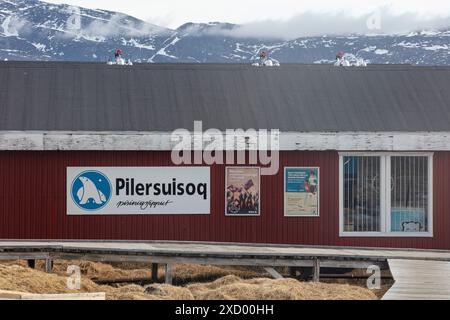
{"x": 301, "y": 192}
{"x": 242, "y": 191}
{"x": 138, "y": 190}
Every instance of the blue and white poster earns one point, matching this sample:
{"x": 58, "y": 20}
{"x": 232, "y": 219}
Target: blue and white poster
{"x": 301, "y": 192}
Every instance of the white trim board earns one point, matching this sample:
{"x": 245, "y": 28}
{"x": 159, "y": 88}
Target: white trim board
{"x": 161, "y": 141}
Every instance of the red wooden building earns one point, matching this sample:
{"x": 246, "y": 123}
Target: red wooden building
{"x": 364, "y": 154}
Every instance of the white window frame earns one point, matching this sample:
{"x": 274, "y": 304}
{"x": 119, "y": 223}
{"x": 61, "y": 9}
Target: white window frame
{"x": 385, "y": 205}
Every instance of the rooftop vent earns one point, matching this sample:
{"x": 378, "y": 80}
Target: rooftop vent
{"x": 265, "y": 61}
{"x": 349, "y": 60}
{"x": 119, "y": 60}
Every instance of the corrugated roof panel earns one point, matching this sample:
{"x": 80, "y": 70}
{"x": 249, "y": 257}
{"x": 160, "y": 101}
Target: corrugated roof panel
{"x": 96, "y": 97}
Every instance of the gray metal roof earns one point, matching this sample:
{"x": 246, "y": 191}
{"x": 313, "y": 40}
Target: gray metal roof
{"x": 306, "y": 98}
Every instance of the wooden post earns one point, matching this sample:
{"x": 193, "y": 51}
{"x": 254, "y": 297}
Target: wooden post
{"x": 316, "y": 271}
{"x": 168, "y": 273}
{"x": 48, "y": 265}
{"x": 31, "y": 263}
{"x": 154, "y": 272}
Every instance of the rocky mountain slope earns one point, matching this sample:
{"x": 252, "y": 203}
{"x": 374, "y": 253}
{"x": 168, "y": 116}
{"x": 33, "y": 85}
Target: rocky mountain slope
{"x": 36, "y": 30}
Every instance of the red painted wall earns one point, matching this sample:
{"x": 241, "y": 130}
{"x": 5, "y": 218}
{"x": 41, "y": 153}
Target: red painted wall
{"x": 33, "y": 204}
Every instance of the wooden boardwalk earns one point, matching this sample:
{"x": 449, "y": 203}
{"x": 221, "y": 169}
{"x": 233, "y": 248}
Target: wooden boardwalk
{"x": 212, "y": 253}
{"x": 419, "y": 280}
{"x": 227, "y": 253}
{"x": 418, "y": 273}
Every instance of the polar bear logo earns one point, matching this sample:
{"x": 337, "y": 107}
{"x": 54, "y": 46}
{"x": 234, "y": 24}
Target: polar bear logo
{"x": 89, "y": 191}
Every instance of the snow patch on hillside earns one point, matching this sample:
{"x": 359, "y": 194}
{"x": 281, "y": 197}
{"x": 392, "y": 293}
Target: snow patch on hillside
{"x": 135, "y": 43}
{"x": 8, "y": 29}
{"x": 369, "y": 49}
{"x": 437, "y": 47}
{"x": 163, "y": 52}
{"x": 409, "y": 45}
{"x": 39, "y": 46}
{"x": 381, "y": 51}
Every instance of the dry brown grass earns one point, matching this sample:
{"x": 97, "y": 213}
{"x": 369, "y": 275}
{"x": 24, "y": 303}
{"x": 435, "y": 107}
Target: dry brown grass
{"x": 185, "y": 274}
{"x": 182, "y": 274}
{"x": 17, "y": 277}
{"x": 97, "y": 270}
{"x": 234, "y": 288}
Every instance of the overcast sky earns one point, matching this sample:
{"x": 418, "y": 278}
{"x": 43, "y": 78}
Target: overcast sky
{"x": 290, "y": 17}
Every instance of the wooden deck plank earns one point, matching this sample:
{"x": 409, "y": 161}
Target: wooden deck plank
{"x": 15, "y": 295}
{"x": 419, "y": 280}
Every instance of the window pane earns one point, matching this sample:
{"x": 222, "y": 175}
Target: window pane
{"x": 409, "y": 194}
{"x": 362, "y": 194}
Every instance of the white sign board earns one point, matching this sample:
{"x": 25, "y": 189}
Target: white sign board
{"x": 138, "y": 190}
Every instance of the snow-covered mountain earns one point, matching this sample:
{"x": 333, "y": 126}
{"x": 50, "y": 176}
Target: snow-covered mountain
{"x": 36, "y": 30}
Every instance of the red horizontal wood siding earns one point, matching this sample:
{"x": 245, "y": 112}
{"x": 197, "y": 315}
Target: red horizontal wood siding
{"x": 33, "y": 204}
